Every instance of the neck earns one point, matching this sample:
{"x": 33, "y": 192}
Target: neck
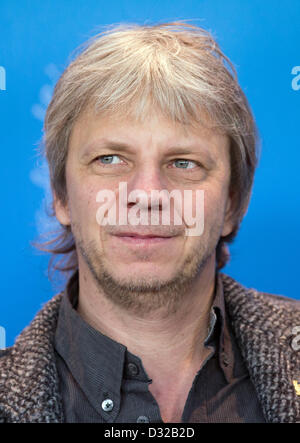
{"x": 162, "y": 342}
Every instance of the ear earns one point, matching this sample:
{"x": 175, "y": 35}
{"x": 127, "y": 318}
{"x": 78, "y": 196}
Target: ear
{"x": 228, "y": 219}
{"x": 62, "y": 211}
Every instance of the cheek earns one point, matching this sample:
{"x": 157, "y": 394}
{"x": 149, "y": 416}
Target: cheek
{"x": 82, "y": 203}
{"x": 214, "y": 203}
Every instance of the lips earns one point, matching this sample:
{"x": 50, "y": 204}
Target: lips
{"x": 143, "y": 239}
{"x": 142, "y": 236}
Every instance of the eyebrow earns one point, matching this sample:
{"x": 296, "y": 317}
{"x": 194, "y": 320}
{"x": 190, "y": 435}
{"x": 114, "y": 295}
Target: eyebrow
{"x": 105, "y": 144}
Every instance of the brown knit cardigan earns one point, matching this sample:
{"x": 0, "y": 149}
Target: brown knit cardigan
{"x": 266, "y": 327}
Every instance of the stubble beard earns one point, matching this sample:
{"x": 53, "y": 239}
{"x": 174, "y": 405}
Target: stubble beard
{"x": 142, "y": 296}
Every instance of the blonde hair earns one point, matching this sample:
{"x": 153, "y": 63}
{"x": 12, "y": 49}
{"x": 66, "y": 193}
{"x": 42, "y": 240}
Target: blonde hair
{"x": 127, "y": 70}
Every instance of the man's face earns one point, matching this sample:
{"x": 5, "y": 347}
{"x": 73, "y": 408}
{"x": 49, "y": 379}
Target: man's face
{"x": 159, "y": 155}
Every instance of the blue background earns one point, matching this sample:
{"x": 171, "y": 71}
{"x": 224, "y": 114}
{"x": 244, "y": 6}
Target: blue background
{"x": 260, "y": 37}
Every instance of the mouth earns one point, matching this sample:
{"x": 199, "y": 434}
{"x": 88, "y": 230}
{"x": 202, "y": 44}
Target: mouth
{"x": 144, "y": 239}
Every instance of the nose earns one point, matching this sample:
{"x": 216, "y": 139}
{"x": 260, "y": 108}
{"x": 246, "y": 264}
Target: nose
{"x": 146, "y": 179}
{"x": 149, "y": 190}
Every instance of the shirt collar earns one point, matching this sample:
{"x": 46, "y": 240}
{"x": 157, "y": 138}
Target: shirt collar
{"x": 95, "y": 360}
{"x": 221, "y": 331}
{"x": 99, "y": 363}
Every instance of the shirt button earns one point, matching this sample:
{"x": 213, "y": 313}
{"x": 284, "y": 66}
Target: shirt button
{"x": 142, "y": 419}
{"x": 107, "y": 405}
{"x": 132, "y": 369}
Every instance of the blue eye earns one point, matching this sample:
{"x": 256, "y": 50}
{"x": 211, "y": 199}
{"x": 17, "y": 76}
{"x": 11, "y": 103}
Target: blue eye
{"x": 108, "y": 159}
{"x": 184, "y": 164}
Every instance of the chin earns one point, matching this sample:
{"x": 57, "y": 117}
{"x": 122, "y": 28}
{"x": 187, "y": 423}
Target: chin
{"x": 140, "y": 272}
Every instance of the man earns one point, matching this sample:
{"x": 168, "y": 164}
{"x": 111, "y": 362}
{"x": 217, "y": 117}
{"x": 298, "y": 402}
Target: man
{"x": 148, "y": 329}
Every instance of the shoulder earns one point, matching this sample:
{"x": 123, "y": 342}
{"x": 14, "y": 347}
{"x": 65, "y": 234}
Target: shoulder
{"x": 235, "y": 289}
{"x": 280, "y": 301}
{"x": 32, "y": 340}
{"x": 260, "y": 308}
{"x": 267, "y": 329}
{"x": 29, "y": 366}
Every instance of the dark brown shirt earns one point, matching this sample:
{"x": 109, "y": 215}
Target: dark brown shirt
{"x": 102, "y": 382}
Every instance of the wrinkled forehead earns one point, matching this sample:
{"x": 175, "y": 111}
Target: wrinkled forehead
{"x": 155, "y": 131}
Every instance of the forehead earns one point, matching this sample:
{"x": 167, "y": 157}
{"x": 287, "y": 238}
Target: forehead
{"x": 156, "y": 133}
